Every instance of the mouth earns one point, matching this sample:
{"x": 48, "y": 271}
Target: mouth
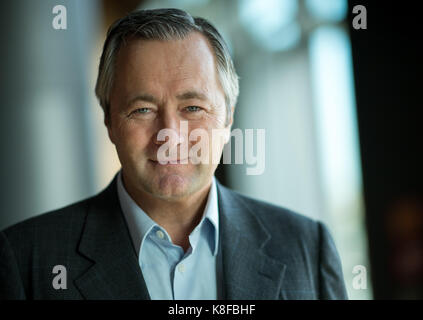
{"x": 171, "y": 162}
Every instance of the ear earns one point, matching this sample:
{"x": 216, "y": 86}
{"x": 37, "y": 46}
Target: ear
{"x": 108, "y": 125}
{"x": 231, "y": 119}
{"x": 229, "y": 126}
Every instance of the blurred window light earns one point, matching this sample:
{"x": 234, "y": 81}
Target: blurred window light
{"x": 183, "y": 3}
{"x": 272, "y": 23}
{"x": 335, "y": 103}
{"x": 328, "y": 10}
{"x": 337, "y": 138}
{"x": 284, "y": 39}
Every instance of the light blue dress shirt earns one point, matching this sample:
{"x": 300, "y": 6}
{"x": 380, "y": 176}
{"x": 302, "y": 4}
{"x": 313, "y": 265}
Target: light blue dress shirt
{"x": 168, "y": 271}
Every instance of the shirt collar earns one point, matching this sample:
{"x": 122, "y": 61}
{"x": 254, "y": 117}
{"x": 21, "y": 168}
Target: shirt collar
{"x": 211, "y": 213}
{"x": 140, "y": 224}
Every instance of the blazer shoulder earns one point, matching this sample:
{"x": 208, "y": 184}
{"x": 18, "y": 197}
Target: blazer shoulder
{"x": 51, "y": 224}
{"x": 278, "y": 219}
{"x": 271, "y": 211}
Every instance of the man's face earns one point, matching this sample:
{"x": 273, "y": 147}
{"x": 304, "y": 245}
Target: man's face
{"x": 157, "y": 85}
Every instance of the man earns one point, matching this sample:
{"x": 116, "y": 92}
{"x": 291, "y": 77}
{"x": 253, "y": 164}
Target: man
{"x": 165, "y": 228}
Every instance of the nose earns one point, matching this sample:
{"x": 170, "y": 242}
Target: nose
{"x": 169, "y": 129}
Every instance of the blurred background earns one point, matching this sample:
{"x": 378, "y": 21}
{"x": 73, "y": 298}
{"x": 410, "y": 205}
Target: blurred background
{"x": 343, "y": 139}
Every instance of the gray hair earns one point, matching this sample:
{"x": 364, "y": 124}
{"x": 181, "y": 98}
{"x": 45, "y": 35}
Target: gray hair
{"x": 163, "y": 24}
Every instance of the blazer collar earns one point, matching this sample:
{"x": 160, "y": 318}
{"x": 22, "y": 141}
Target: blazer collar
{"x": 115, "y": 273}
{"x": 249, "y": 272}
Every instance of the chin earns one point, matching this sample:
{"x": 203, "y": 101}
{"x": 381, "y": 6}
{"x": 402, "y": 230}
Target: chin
{"x": 171, "y": 186}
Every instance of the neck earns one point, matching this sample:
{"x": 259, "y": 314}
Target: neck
{"x": 177, "y": 216}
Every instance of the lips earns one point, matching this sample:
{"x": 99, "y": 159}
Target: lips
{"x": 172, "y": 162}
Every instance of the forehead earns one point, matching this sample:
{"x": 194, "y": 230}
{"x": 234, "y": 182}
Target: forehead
{"x": 172, "y": 65}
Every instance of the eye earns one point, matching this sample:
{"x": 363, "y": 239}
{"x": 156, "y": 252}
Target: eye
{"x": 193, "y": 108}
{"x": 142, "y": 110}
{"x": 143, "y": 113}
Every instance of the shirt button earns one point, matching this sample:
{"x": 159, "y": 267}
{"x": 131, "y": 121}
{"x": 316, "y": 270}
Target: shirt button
{"x": 181, "y": 268}
{"x": 160, "y": 234}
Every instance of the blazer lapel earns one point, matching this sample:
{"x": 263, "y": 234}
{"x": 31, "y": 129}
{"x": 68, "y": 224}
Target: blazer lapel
{"x": 115, "y": 273}
{"x": 248, "y": 271}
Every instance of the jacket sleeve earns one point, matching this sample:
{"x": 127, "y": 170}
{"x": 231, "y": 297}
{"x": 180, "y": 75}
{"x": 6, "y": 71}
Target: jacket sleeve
{"x": 332, "y": 286}
{"x": 11, "y": 286}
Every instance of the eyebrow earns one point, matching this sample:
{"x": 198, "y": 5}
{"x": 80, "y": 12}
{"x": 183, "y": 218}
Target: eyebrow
{"x": 144, "y": 97}
{"x": 192, "y": 95}
{"x": 183, "y": 96}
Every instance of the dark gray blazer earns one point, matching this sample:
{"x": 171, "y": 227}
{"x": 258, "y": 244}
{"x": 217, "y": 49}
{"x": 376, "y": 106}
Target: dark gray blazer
{"x": 266, "y": 252}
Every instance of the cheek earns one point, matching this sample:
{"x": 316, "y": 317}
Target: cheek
{"x": 213, "y": 132}
{"x": 132, "y": 137}
{"x": 215, "y": 119}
